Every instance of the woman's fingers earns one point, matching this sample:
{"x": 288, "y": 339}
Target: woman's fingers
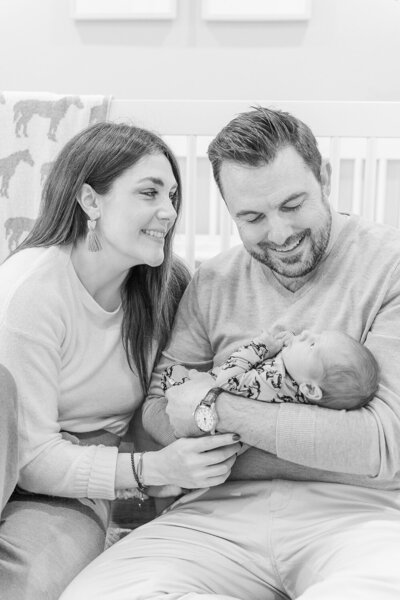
{"x": 210, "y": 442}
{"x": 191, "y": 462}
{"x": 221, "y": 469}
{"x": 220, "y": 455}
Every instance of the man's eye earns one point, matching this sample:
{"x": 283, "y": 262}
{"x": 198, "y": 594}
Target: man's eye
{"x": 255, "y": 219}
{"x": 291, "y": 208}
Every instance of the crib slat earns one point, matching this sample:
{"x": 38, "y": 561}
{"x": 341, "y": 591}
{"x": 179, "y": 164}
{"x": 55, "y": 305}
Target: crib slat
{"x": 190, "y": 200}
{"x": 334, "y": 158}
{"x": 357, "y": 186}
{"x": 381, "y": 191}
{"x": 370, "y": 180}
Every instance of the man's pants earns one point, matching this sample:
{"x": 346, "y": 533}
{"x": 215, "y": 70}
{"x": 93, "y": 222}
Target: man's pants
{"x": 257, "y": 541}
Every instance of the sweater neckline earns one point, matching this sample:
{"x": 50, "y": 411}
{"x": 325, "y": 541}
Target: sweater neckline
{"x": 85, "y": 296}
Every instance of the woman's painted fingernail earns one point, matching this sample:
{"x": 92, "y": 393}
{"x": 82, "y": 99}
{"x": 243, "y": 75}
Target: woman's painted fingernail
{"x": 236, "y": 437}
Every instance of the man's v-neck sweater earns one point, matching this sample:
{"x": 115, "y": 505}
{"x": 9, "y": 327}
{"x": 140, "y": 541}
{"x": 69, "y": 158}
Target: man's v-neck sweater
{"x": 355, "y": 289}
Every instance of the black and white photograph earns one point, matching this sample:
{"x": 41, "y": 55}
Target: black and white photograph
{"x": 199, "y": 300}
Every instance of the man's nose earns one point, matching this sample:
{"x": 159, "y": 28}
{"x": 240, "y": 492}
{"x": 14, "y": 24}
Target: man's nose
{"x": 279, "y": 231}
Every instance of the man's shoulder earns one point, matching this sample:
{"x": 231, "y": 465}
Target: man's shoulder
{"x": 227, "y": 263}
{"x": 375, "y": 238}
{"x": 379, "y": 231}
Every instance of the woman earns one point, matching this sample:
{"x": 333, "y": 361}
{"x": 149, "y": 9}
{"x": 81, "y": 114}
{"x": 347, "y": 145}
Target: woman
{"x": 86, "y": 305}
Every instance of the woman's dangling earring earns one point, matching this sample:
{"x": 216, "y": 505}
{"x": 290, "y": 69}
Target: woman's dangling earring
{"x": 94, "y": 244}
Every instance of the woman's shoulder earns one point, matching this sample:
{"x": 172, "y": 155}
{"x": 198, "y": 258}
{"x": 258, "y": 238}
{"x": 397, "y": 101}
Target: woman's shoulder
{"x": 32, "y": 282}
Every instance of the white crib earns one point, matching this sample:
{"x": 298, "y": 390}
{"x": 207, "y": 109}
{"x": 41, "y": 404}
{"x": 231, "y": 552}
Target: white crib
{"x": 361, "y": 139}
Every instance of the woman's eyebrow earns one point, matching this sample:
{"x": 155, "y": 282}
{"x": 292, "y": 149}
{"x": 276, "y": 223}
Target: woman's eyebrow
{"x": 155, "y": 180}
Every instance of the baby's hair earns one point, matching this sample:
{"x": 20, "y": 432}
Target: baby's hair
{"x": 352, "y": 375}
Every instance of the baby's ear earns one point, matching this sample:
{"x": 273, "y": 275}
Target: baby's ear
{"x": 311, "y": 391}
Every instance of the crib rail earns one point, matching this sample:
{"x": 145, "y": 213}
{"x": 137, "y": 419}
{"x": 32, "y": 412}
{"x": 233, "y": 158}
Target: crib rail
{"x": 361, "y": 139}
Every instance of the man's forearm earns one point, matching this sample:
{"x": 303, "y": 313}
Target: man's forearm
{"x": 156, "y": 421}
{"x": 255, "y": 422}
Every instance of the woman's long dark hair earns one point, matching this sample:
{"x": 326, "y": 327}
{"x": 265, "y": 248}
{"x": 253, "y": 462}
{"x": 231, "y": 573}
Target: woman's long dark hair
{"x": 150, "y": 295}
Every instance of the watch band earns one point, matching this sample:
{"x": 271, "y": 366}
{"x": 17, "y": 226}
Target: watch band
{"x": 211, "y": 396}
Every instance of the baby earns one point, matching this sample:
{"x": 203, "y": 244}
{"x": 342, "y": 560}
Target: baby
{"x": 330, "y": 369}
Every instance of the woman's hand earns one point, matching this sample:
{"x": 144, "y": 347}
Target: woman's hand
{"x": 182, "y": 401}
{"x": 192, "y": 462}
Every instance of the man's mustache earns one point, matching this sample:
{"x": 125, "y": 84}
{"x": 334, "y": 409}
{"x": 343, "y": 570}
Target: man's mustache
{"x": 291, "y": 241}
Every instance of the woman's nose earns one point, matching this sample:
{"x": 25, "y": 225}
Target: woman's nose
{"x": 167, "y": 212}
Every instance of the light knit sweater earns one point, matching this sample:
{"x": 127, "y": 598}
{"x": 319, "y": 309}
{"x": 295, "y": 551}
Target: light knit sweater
{"x": 66, "y": 355}
{"x": 355, "y": 289}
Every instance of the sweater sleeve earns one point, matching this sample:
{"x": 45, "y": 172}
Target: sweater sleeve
{"x": 48, "y": 464}
{"x": 364, "y": 441}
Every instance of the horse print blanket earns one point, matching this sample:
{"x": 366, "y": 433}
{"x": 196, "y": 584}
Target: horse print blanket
{"x": 34, "y": 127}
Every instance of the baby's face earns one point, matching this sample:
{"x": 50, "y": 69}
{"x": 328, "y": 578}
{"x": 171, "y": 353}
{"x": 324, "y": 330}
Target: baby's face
{"x": 307, "y": 353}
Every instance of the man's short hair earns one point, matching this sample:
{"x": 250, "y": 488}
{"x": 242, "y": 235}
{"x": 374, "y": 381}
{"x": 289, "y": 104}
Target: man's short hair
{"x": 254, "y": 138}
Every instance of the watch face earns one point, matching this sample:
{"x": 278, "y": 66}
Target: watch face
{"x": 205, "y": 419}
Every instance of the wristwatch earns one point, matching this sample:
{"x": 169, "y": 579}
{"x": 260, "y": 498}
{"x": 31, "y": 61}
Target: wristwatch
{"x": 205, "y": 415}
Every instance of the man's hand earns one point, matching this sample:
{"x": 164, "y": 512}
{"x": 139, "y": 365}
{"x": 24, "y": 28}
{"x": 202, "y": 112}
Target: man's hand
{"x": 182, "y": 401}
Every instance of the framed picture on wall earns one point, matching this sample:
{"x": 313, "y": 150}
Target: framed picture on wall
{"x": 92, "y": 10}
{"x": 256, "y": 10}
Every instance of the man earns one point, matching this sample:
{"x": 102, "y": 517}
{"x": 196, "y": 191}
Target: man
{"x": 312, "y": 510}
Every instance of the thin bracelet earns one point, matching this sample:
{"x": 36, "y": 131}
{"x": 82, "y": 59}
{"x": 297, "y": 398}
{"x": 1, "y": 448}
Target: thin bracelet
{"x": 135, "y": 472}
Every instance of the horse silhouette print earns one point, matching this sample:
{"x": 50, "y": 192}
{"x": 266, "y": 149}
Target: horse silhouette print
{"x": 8, "y": 166}
{"x": 55, "y": 110}
{"x": 15, "y": 228}
{"x": 98, "y": 112}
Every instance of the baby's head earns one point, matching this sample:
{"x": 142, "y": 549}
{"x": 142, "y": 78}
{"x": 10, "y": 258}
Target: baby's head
{"x": 332, "y": 369}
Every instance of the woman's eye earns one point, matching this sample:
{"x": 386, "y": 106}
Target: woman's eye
{"x": 149, "y": 193}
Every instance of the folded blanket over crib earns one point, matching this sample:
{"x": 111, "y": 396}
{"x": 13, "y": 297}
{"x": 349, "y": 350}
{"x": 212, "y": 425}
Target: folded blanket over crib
{"x": 33, "y": 128}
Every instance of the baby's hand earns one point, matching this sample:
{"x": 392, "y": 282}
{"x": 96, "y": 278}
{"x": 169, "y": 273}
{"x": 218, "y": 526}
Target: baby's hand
{"x": 271, "y": 342}
{"x": 284, "y": 337}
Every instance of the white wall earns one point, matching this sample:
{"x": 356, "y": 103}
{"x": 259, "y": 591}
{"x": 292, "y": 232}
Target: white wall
{"x": 349, "y": 50}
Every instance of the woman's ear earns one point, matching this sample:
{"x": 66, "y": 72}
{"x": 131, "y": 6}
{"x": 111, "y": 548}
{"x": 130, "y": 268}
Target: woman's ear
{"x": 88, "y": 201}
{"x": 326, "y": 171}
{"x": 311, "y": 391}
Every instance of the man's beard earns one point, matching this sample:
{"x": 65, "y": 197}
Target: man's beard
{"x": 292, "y": 266}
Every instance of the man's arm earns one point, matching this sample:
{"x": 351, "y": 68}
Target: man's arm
{"x": 363, "y": 442}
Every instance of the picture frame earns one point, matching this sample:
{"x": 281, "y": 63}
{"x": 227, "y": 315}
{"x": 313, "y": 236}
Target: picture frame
{"x": 95, "y": 10}
{"x": 256, "y": 10}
